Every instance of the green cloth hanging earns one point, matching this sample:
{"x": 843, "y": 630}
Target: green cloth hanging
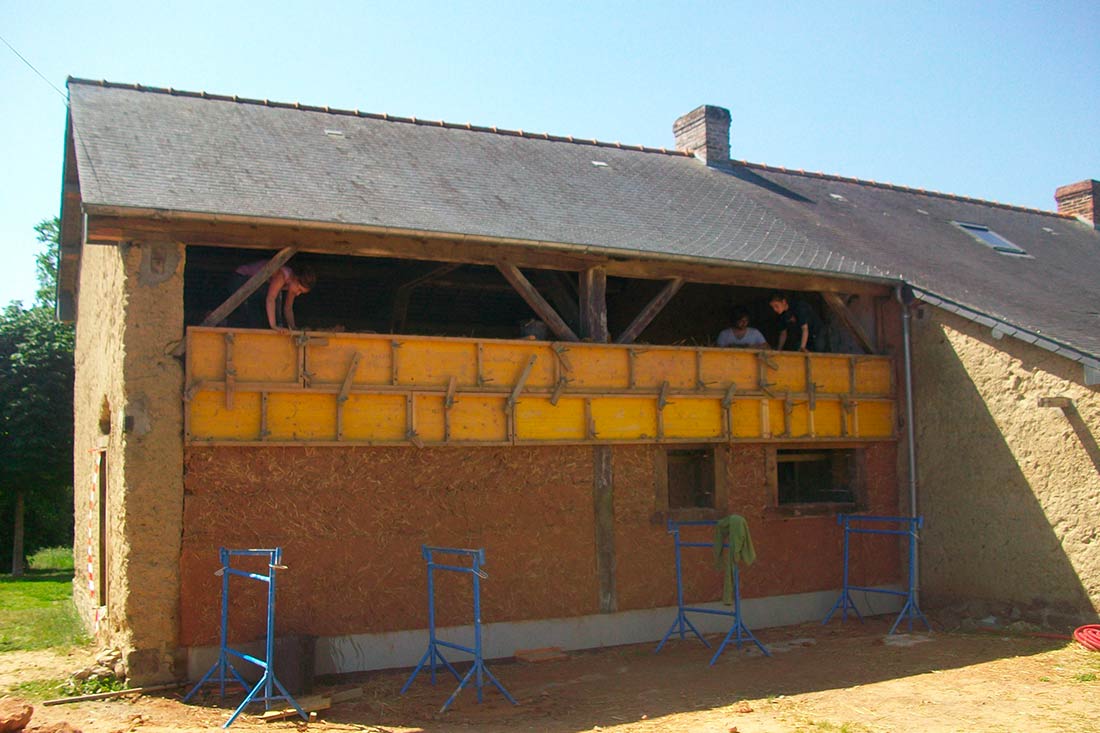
{"x": 734, "y": 531}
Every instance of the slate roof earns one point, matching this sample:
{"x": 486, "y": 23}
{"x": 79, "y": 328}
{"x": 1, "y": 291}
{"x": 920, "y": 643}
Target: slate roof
{"x": 1053, "y": 293}
{"x": 146, "y": 148}
{"x": 180, "y": 151}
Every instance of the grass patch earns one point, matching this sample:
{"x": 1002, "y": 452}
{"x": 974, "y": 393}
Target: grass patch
{"x": 38, "y": 690}
{"x": 1086, "y": 677}
{"x": 52, "y": 558}
{"x": 36, "y": 612}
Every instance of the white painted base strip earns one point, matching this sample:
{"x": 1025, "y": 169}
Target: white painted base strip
{"x": 395, "y": 649}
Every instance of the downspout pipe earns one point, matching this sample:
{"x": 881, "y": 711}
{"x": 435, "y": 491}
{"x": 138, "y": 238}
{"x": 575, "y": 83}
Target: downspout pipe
{"x": 905, "y": 297}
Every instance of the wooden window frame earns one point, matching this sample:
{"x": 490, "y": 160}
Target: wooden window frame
{"x": 720, "y": 462}
{"x": 821, "y": 508}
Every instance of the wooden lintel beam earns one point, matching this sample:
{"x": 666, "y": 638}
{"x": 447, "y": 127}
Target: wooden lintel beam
{"x": 837, "y": 306}
{"x": 655, "y": 306}
{"x": 538, "y": 304}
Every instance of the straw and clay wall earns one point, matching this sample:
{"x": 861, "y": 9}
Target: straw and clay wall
{"x": 127, "y": 420}
{"x": 351, "y": 521}
{"x": 1008, "y": 488}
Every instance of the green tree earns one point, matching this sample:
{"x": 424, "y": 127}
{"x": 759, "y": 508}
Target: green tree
{"x": 36, "y": 415}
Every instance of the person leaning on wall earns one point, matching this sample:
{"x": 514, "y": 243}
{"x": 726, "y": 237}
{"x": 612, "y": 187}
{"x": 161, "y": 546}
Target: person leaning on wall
{"x": 800, "y": 328}
{"x": 265, "y": 304}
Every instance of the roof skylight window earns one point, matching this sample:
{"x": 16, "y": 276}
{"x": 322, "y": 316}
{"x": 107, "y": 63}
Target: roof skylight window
{"x": 991, "y": 239}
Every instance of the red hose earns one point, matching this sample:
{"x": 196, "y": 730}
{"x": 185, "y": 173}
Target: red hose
{"x": 1088, "y": 636}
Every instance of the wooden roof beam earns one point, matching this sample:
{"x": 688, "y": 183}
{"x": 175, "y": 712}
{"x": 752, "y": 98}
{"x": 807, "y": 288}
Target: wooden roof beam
{"x": 646, "y": 316}
{"x": 534, "y": 299}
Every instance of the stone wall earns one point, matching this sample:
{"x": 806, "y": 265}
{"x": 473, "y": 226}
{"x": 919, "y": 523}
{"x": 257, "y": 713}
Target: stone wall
{"x": 128, "y": 388}
{"x": 1009, "y": 490}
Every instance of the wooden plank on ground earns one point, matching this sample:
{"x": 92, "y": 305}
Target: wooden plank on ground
{"x": 310, "y": 704}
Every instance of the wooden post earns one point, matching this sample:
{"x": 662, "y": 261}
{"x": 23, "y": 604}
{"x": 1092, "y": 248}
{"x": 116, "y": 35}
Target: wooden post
{"x": 593, "y": 308}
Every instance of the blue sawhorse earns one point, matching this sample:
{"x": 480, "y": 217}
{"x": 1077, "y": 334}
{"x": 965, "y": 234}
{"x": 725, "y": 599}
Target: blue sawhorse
{"x": 738, "y": 631}
{"x": 224, "y": 667}
{"x": 478, "y": 671}
{"x": 911, "y": 609}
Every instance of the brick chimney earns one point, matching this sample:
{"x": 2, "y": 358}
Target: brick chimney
{"x": 705, "y": 133}
{"x": 1080, "y": 200}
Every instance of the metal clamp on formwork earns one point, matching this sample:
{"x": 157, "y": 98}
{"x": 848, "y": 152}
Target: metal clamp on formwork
{"x": 224, "y": 667}
{"x": 909, "y": 528}
{"x": 738, "y": 630}
{"x": 478, "y": 670}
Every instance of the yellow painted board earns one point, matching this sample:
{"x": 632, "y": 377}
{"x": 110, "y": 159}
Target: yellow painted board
{"x": 211, "y": 421}
{"x": 831, "y": 373}
{"x": 537, "y": 419}
{"x": 429, "y": 418}
{"x": 621, "y": 418}
{"x": 502, "y": 364}
{"x": 791, "y": 373}
{"x": 478, "y": 418}
{"x": 597, "y": 367}
{"x": 800, "y": 419}
{"x": 687, "y": 417}
{"x": 653, "y": 366}
{"x": 827, "y": 419}
{"x": 873, "y": 376}
{"x": 375, "y": 417}
{"x": 434, "y": 362}
{"x": 301, "y": 416}
{"x": 206, "y": 356}
{"x": 876, "y": 419}
{"x": 747, "y": 419}
{"x": 722, "y": 368}
{"x": 775, "y": 417}
{"x": 329, "y": 363}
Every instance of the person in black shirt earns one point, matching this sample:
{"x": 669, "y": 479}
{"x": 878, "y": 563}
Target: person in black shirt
{"x": 801, "y": 329}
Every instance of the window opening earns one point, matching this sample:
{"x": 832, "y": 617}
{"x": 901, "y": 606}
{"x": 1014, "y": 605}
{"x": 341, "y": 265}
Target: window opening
{"x": 991, "y": 239}
{"x": 816, "y": 476}
{"x": 691, "y": 478}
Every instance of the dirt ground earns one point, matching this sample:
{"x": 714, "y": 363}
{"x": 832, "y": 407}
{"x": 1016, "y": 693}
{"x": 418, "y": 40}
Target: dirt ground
{"x": 849, "y": 678}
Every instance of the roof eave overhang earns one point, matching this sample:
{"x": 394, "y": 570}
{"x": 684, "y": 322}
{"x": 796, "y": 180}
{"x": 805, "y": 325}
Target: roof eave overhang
{"x": 1002, "y": 328}
{"x": 592, "y": 250}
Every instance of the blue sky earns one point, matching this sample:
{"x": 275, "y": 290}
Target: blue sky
{"x": 994, "y": 100}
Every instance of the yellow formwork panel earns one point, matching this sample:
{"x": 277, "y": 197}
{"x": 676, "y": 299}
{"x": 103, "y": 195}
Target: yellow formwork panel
{"x": 209, "y": 419}
{"x": 721, "y": 368}
{"x": 376, "y": 417}
{"x": 479, "y": 418}
{"x": 434, "y": 362}
{"x": 694, "y": 418}
{"x": 502, "y": 364}
{"x": 624, "y": 418}
{"x": 597, "y": 367}
{"x": 306, "y": 410}
{"x": 828, "y": 416}
{"x": 789, "y": 374}
{"x": 206, "y": 356}
{"x": 747, "y": 419}
{"x": 329, "y": 363}
{"x": 654, "y": 366}
{"x": 430, "y": 426}
{"x": 873, "y": 376}
{"x": 831, "y": 373}
{"x": 265, "y": 356}
{"x": 301, "y": 416}
{"x": 537, "y": 419}
{"x": 875, "y": 419}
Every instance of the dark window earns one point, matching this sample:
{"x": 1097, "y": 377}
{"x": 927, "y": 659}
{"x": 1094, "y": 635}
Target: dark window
{"x": 991, "y": 239}
{"x": 816, "y": 476}
{"x": 691, "y": 478}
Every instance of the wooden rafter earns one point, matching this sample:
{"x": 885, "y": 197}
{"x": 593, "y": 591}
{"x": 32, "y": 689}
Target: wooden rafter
{"x": 538, "y": 303}
{"x": 655, "y": 306}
